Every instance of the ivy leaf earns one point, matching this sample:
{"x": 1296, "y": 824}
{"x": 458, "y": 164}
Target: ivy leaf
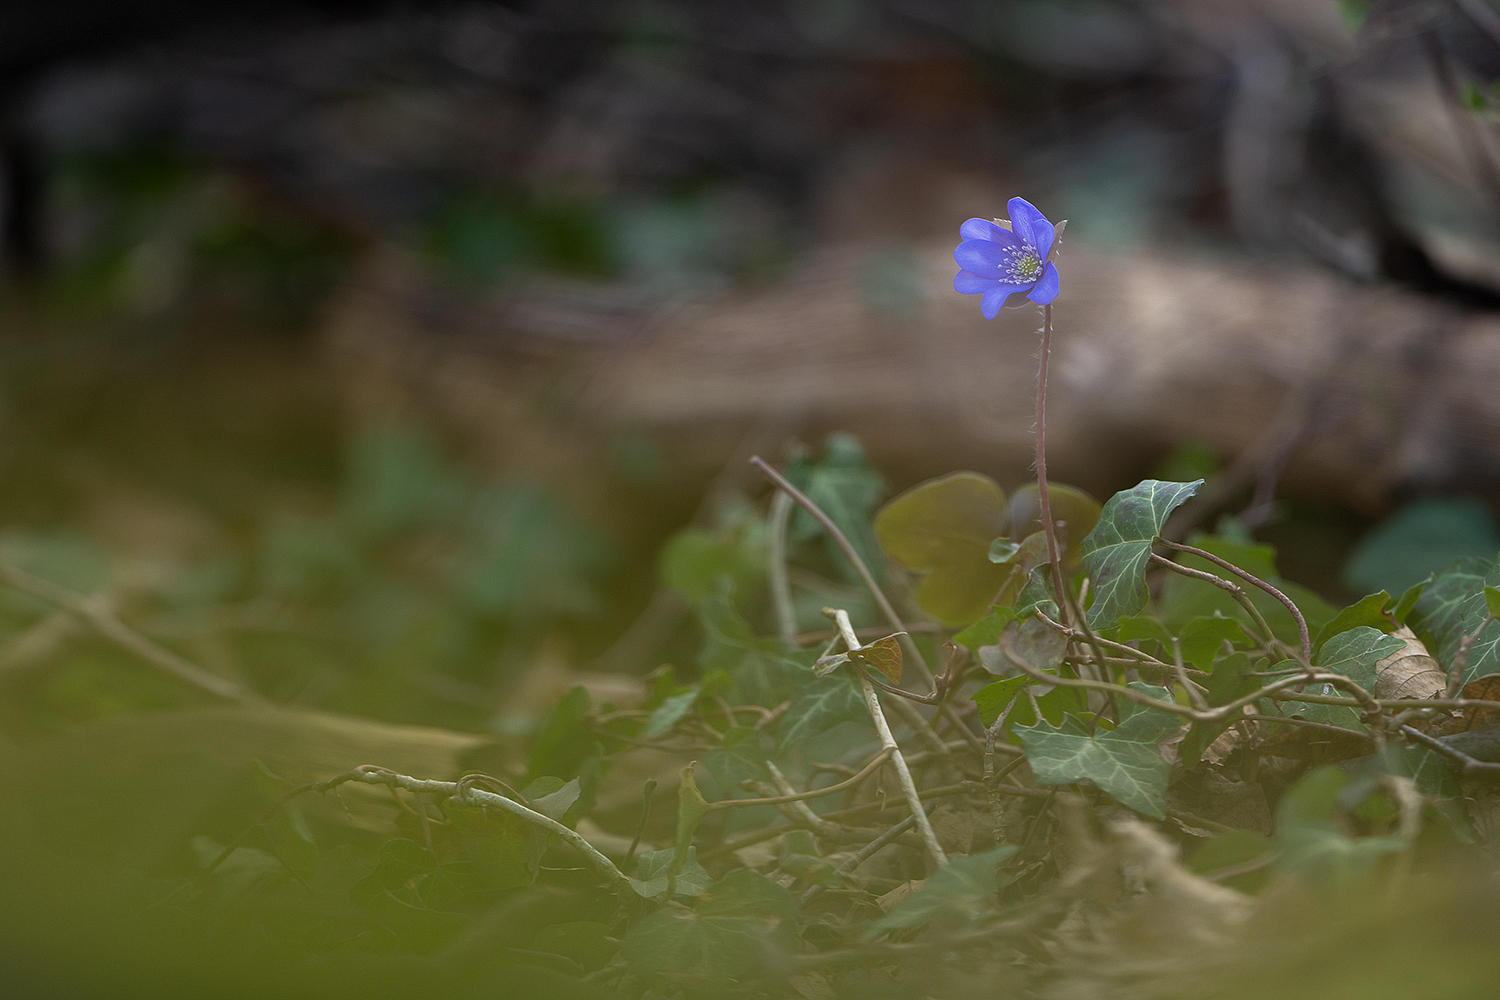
{"x": 1003, "y": 550}
{"x": 963, "y": 883}
{"x": 994, "y": 697}
{"x": 505, "y": 849}
{"x": 818, "y": 706}
{"x": 1228, "y": 682}
{"x": 401, "y": 862}
{"x": 552, "y": 797}
{"x": 667, "y": 714}
{"x": 1492, "y": 601}
{"x": 1037, "y": 594}
{"x": 986, "y": 631}
{"x": 1202, "y": 640}
{"x": 1355, "y": 652}
{"x": 846, "y": 488}
{"x": 744, "y": 924}
{"x": 1422, "y": 538}
{"x": 1452, "y": 606}
{"x": 740, "y": 757}
{"x": 761, "y": 674}
{"x": 693, "y": 560}
{"x": 691, "y": 808}
{"x": 654, "y": 872}
{"x": 1028, "y": 642}
{"x": 1430, "y": 770}
{"x": 1370, "y": 610}
{"x": 1124, "y": 762}
{"x": 828, "y": 664}
{"x": 1115, "y": 553}
{"x": 1140, "y": 627}
{"x": 884, "y": 655}
{"x": 564, "y": 743}
{"x": 1313, "y": 843}
{"x": 944, "y": 528}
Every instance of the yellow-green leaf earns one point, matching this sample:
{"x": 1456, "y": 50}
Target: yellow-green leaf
{"x": 883, "y": 655}
{"x": 1077, "y": 511}
{"x": 944, "y": 528}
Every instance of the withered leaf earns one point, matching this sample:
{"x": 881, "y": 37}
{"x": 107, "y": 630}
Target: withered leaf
{"x": 1410, "y": 672}
{"x": 883, "y": 655}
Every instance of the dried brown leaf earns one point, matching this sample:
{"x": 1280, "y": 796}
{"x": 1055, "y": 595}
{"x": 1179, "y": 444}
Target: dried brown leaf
{"x": 1410, "y": 672}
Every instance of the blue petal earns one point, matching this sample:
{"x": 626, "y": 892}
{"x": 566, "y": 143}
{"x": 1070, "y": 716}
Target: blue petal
{"x": 968, "y": 283}
{"x": 995, "y": 298}
{"x": 980, "y": 229}
{"x": 980, "y": 256}
{"x": 1046, "y": 287}
{"x": 1032, "y": 226}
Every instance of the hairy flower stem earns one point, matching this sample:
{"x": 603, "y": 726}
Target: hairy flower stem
{"x": 1041, "y": 464}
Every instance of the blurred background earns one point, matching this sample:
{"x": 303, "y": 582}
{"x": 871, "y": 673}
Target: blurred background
{"x": 369, "y": 353}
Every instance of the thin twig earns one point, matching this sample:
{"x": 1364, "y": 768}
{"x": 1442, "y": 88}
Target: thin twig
{"x": 647, "y": 790}
{"x": 1254, "y": 581}
{"x": 1361, "y": 698}
{"x": 816, "y": 793}
{"x": 371, "y": 774}
{"x": 1461, "y": 658}
{"x": 865, "y": 632}
{"x": 781, "y": 591}
{"x": 1326, "y": 727}
{"x": 872, "y": 702}
{"x": 123, "y": 635}
{"x": 863, "y": 855}
{"x": 852, "y": 555}
{"x": 1234, "y": 590}
{"x": 1193, "y": 692}
{"x": 1469, "y": 764}
{"x": 1146, "y": 658}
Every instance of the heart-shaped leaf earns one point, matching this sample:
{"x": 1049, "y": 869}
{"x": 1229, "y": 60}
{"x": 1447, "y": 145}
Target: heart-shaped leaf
{"x": 1117, "y": 550}
{"x": 944, "y": 528}
{"x": 1077, "y": 511}
{"x": 883, "y": 655}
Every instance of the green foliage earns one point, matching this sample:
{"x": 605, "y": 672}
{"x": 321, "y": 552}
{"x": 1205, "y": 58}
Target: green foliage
{"x": 944, "y": 529}
{"x": 746, "y": 924}
{"x": 846, "y": 488}
{"x": 1124, "y": 762}
{"x": 694, "y": 561}
{"x": 1371, "y": 611}
{"x": 1423, "y": 537}
{"x": 819, "y": 704}
{"x": 1354, "y": 654}
{"x": 1314, "y": 843}
{"x": 964, "y": 883}
{"x": 485, "y": 237}
{"x": 700, "y": 892}
{"x": 654, "y": 873}
{"x": 1184, "y": 599}
{"x": 1116, "y": 552}
{"x": 1453, "y": 606}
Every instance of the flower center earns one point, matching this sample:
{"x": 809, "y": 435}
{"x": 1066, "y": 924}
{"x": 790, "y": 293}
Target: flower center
{"x": 1025, "y": 265}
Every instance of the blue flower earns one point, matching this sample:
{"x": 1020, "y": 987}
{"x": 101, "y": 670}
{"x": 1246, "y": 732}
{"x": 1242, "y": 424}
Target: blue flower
{"x": 1000, "y": 259}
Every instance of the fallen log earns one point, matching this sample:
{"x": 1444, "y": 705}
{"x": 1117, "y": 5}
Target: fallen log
{"x": 1356, "y": 394}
